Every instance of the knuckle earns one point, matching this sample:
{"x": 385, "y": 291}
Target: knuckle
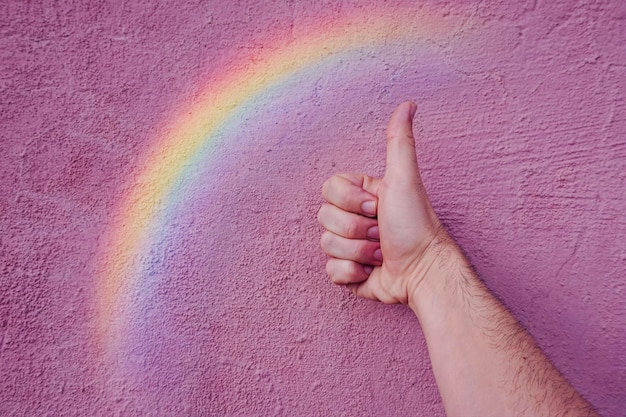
{"x": 333, "y": 272}
{"x": 328, "y": 186}
{"x": 349, "y": 271}
{"x": 352, "y": 229}
{"x": 345, "y": 200}
{"x": 326, "y": 240}
{"x": 325, "y": 188}
{"x": 358, "y": 252}
{"x": 400, "y": 136}
{"x": 336, "y": 279}
{"x": 329, "y": 268}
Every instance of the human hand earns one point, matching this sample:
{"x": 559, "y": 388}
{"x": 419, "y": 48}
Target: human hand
{"x": 386, "y": 243}
{"x": 380, "y": 231}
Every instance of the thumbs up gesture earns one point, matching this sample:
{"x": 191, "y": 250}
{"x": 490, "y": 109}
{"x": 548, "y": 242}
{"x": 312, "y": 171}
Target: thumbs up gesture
{"x": 382, "y": 234}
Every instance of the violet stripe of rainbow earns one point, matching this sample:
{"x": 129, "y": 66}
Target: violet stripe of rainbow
{"x": 197, "y": 125}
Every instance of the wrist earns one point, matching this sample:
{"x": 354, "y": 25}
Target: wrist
{"x": 442, "y": 261}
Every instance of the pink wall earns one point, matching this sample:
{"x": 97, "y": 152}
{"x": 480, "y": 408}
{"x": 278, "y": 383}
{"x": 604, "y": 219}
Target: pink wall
{"x": 160, "y": 172}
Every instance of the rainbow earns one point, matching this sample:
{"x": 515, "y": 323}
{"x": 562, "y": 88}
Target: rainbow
{"x": 196, "y": 128}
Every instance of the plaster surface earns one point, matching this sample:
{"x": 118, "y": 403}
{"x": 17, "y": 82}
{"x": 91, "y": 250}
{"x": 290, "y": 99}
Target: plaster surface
{"x": 141, "y": 275}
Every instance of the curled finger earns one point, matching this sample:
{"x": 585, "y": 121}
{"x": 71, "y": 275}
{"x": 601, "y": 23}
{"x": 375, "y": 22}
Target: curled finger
{"x": 343, "y": 193}
{"x": 346, "y": 224}
{"x": 342, "y": 271}
{"x": 358, "y": 250}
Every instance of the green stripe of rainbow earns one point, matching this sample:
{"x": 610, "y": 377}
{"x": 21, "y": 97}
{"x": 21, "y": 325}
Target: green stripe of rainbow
{"x": 197, "y": 124}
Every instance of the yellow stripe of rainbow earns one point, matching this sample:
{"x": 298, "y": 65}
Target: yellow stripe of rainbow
{"x": 198, "y": 123}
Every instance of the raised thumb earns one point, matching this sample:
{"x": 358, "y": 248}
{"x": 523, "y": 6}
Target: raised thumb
{"x": 401, "y": 158}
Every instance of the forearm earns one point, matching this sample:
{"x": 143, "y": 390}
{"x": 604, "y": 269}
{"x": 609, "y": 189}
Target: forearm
{"x": 485, "y": 363}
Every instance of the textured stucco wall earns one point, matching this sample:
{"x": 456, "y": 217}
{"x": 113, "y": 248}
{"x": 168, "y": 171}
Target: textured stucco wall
{"x": 160, "y": 169}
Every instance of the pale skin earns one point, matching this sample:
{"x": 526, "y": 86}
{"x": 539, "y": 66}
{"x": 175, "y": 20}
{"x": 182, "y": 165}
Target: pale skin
{"x": 385, "y": 243}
